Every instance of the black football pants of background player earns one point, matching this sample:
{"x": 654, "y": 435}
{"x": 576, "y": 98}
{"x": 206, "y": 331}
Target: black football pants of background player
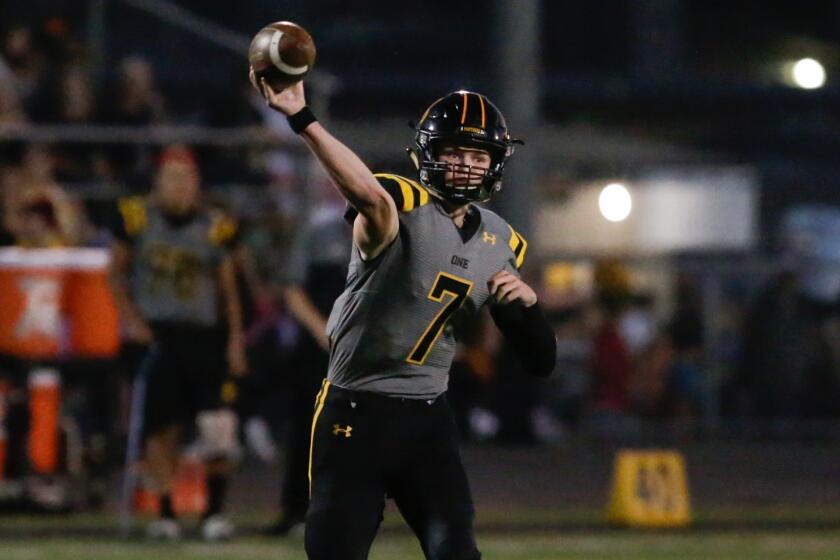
{"x": 307, "y": 369}
{"x": 365, "y": 446}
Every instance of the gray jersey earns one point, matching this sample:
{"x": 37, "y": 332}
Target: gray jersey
{"x": 393, "y": 328}
{"x": 318, "y": 258}
{"x": 322, "y": 244}
{"x": 174, "y": 277}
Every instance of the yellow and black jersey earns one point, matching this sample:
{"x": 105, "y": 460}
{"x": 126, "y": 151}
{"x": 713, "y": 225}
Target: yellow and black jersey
{"x": 176, "y": 260}
{"x": 393, "y": 328}
{"x": 407, "y": 193}
{"x": 133, "y": 221}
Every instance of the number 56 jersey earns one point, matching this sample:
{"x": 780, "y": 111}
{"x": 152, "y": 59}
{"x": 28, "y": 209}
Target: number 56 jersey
{"x": 393, "y": 329}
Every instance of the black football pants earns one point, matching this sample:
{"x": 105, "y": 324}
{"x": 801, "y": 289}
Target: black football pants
{"x": 307, "y": 369}
{"x": 365, "y": 446}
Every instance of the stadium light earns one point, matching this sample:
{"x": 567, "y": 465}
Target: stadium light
{"x": 615, "y": 202}
{"x": 808, "y": 73}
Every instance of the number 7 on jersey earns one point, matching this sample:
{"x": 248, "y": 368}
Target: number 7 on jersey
{"x": 445, "y": 284}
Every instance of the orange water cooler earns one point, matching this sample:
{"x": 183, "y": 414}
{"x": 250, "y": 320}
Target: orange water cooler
{"x": 55, "y": 305}
{"x": 44, "y": 409}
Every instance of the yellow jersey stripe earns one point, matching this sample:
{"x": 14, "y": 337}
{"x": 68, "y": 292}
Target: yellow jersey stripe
{"x": 424, "y": 196}
{"x": 423, "y": 193}
{"x": 319, "y": 406}
{"x": 513, "y": 242}
{"x": 413, "y": 195}
{"x": 518, "y": 245}
{"x": 521, "y": 257}
{"x": 408, "y": 194}
{"x": 405, "y": 190}
{"x": 222, "y": 230}
{"x": 133, "y": 212}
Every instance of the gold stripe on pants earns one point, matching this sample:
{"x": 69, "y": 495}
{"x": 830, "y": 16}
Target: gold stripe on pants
{"x": 319, "y": 406}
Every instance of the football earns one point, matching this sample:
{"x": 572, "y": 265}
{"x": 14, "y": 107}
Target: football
{"x": 282, "y": 53}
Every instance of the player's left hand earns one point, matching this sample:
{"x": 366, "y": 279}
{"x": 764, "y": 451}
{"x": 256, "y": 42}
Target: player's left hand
{"x": 507, "y": 288}
{"x": 236, "y": 358}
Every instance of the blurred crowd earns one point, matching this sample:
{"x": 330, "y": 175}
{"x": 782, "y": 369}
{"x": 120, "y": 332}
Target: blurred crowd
{"x": 46, "y": 78}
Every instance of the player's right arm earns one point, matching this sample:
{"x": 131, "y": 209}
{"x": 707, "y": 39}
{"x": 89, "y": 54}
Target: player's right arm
{"x": 377, "y": 224}
{"x": 298, "y": 302}
{"x": 303, "y": 309}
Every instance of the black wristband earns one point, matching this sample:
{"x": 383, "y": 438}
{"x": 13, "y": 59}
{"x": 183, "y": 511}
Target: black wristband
{"x": 300, "y": 120}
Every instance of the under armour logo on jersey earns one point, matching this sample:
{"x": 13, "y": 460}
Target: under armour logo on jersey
{"x": 347, "y": 431}
{"x": 489, "y": 238}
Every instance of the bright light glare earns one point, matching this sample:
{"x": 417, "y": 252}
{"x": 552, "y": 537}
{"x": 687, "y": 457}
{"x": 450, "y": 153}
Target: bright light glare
{"x": 808, "y": 74}
{"x": 615, "y": 202}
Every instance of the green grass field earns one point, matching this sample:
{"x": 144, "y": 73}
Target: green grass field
{"x": 537, "y": 546}
{"x": 578, "y": 535}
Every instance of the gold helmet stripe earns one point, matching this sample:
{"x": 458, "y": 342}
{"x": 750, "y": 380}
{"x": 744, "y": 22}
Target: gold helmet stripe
{"x": 464, "y": 112}
{"x": 481, "y": 101}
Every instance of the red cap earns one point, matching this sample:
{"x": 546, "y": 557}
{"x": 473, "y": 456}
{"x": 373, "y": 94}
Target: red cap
{"x": 177, "y": 153}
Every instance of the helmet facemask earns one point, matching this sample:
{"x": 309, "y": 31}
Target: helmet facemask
{"x": 454, "y": 121}
{"x": 468, "y": 183}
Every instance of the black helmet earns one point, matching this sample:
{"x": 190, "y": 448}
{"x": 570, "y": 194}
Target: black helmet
{"x": 462, "y": 119}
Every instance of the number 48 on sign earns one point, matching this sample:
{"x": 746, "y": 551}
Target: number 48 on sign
{"x": 649, "y": 489}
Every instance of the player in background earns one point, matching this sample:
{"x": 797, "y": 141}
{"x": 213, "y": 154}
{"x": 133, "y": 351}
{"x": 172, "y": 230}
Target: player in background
{"x": 424, "y": 258}
{"x": 313, "y": 278}
{"x": 175, "y": 288}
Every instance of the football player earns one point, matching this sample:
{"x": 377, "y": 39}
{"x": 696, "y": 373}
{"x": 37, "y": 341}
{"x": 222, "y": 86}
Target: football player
{"x": 425, "y": 256}
{"x": 313, "y": 279}
{"x": 171, "y": 268}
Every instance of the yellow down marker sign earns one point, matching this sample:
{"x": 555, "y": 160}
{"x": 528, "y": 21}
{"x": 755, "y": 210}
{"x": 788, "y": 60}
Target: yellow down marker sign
{"x": 649, "y": 489}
